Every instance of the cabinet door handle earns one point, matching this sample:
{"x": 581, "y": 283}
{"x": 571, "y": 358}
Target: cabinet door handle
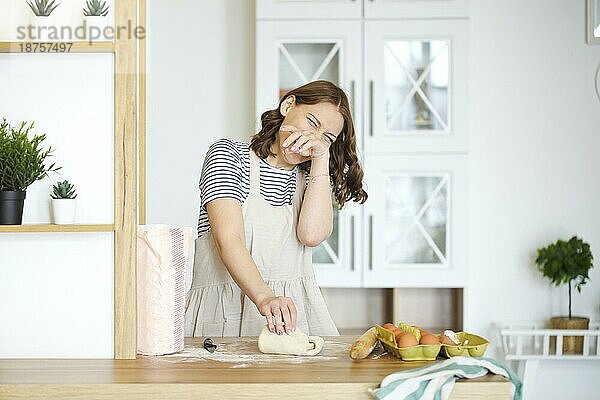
{"x": 371, "y": 88}
{"x": 352, "y": 227}
{"x": 353, "y": 97}
{"x": 370, "y": 242}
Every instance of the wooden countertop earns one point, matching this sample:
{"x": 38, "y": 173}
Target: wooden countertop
{"x": 237, "y": 368}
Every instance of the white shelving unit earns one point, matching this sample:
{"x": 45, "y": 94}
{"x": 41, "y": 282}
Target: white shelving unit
{"x": 531, "y": 342}
{"x": 82, "y": 94}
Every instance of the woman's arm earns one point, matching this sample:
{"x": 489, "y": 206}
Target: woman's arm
{"x": 227, "y": 226}
{"x": 315, "y": 222}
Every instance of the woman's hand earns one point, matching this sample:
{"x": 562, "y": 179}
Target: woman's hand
{"x": 305, "y": 143}
{"x": 280, "y": 313}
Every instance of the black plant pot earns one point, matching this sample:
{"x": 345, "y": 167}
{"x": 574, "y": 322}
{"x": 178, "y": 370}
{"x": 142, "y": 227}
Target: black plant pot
{"x": 11, "y": 207}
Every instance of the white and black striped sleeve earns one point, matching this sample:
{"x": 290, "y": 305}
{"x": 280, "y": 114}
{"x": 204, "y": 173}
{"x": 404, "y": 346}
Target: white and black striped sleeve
{"x": 221, "y": 173}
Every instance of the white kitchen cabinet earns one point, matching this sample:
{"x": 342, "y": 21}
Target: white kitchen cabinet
{"x": 410, "y": 114}
{"x": 356, "y": 9}
{"x": 290, "y": 54}
{"x": 399, "y": 9}
{"x": 415, "y": 221}
{"x": 308, "y": 9}
{"x": 416, "y": 76}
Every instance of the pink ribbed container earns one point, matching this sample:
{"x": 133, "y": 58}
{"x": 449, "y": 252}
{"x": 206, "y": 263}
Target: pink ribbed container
{"x": 162, "y": 259}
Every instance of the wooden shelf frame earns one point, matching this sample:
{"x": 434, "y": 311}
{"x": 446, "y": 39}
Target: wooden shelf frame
{"x": 125, "y": 50}
{"x": 25, "y": 228}
{"x": 126, "y": 187}
{"x": 77, "y": 47}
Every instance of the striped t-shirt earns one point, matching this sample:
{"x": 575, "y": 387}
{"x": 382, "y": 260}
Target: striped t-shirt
{"x": 226, "y": 174}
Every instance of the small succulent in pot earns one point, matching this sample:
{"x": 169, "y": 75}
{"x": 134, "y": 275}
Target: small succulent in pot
{"x": 43, "y": 20}
{"x": 63, "y": 190}
{"x": 42, "y": 8}
{"x": 95, "y": 19}
{"x": 95, "y": 8}
{"x": 63, "y": 202}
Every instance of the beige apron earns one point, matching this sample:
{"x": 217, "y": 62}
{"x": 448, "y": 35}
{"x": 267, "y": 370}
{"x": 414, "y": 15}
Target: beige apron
{"x": 215, "y": 305}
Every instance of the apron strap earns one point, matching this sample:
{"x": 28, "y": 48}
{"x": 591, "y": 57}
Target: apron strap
{"x": 254, "y": 173}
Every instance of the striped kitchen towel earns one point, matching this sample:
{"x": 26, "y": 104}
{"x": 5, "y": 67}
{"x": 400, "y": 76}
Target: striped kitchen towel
{"x": 436, "y": 381}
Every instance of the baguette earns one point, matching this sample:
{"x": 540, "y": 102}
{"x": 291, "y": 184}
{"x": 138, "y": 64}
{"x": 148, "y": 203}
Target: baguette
{"x": 364, "y": 345}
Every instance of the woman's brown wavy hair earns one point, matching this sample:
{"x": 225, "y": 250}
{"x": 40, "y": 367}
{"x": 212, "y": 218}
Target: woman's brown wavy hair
{"x": 344, "y": 168}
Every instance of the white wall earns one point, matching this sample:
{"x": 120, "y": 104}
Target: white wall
{"x": 200, "y": 88}
{"x": 56, "y": 289}
{"x": 57, "y": 295}
{"x": 534, "y": 168}
{"x": 534, "y": 144}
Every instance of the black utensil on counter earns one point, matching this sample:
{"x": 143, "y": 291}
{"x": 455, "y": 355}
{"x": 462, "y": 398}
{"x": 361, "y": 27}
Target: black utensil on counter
{"x": 209, "y": 345}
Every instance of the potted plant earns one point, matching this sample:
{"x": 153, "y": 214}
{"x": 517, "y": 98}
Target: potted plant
{"x": 94, "y": 15}
{"x": 42, "y": 19}
{"x": 567, "y": 262}
{"x": 22, "y": 162}
{"x": 63, "y": 202}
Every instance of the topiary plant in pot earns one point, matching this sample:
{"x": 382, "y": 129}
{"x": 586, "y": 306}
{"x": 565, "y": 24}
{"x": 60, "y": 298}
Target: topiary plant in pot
{"x": 22, "y": 162}
{"x": 567, "y": 262}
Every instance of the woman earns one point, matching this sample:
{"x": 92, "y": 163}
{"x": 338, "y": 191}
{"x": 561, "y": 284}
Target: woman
{"x": 263, "y": 207}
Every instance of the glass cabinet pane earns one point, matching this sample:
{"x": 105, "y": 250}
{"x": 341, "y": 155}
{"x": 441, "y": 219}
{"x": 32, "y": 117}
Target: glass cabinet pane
{"x": 416, "y": 218}
{"x": 416, "y": 85}
{"x": 328, "y": 251}
{"x": 300, "y": 63}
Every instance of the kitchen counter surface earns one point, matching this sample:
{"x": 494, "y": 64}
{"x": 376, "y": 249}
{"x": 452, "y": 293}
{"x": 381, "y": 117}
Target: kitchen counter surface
{"x": 236, "y": 369}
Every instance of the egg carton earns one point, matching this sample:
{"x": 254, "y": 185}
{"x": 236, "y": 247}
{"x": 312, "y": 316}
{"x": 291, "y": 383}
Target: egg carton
{"x": 421, "y": 352}
{"x": 475, "y": 346}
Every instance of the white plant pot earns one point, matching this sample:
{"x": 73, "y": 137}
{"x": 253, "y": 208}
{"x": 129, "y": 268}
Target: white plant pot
{"x": 45, "y": 24}
{"x": 64, "y": 211}
{"x": 96, "y": 23}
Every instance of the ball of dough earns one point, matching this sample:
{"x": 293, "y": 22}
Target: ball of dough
{"x": 296, "y": 343}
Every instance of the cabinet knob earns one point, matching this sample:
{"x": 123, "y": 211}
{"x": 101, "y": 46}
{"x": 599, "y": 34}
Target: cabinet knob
{"x": 352, "y": 228}
{"x": 371, "y": 89}
{"x": 370, "y": 242}
{"x": 353, "y": 96}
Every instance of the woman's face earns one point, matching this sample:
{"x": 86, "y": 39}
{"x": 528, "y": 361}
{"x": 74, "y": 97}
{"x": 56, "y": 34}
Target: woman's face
{"x": 323, "y": 119}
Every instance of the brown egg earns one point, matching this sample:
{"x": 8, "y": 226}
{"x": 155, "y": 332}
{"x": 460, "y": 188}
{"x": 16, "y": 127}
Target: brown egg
{"x": 445, "y": 339}
{"x": 397, "y": 334}
{"x": 406, "y": 340}
{"x": 389, "y": 326}
{"x": 428, "y": 339}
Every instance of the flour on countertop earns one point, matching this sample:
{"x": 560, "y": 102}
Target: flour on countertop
{"x": 242, "y": 356}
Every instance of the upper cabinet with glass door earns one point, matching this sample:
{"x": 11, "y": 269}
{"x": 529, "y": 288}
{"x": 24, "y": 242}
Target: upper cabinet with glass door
{"x": 398, "y": 9}
{"x": 416, "y": 86}
{"x": 308, "y": 9}
{"x": 290, "y": 54}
